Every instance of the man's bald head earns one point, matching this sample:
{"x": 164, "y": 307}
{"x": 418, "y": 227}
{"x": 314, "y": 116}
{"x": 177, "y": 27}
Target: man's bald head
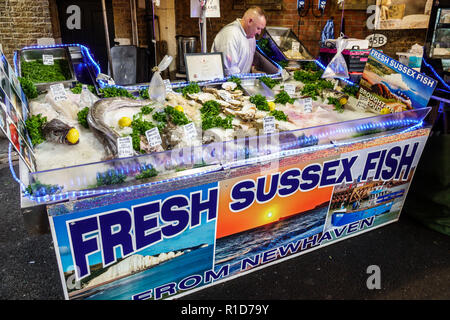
{"x": 253, "y": 21}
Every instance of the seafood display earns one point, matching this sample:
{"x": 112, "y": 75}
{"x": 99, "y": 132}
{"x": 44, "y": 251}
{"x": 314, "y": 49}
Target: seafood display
{"x": 193, "y": 116}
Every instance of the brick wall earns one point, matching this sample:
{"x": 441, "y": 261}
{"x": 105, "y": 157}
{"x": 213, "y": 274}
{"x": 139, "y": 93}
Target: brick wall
{"x": 122, "y": 18}
{"x": 22, "y": 22}
{"x": 310, "y": 27}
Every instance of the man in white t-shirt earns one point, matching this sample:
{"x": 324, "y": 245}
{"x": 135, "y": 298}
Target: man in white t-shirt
{"x": 237, "y": 41}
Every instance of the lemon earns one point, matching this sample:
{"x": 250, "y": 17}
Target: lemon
{"x": 343, "y": 100}
{"x": 385, "y": 110}
{"x": 73, "y": 135}
{"x": 124, "y": 122}
{"x": 271, "y": 105}
{"x": 179, "y": 108}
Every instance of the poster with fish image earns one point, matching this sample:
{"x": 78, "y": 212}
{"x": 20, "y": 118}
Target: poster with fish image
{"x": 388, "y": 86}
{"x": 133, "y": 246}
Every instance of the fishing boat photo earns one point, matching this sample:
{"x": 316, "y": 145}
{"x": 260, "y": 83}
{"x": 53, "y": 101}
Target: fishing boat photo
{"x": 370, "y": 200}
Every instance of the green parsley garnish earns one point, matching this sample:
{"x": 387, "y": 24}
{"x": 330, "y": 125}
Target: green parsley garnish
{"x": 260, "y": 102}
{"x": 283, "y": 98}
{"x": 279, "y": 115}
{"x": 192, "y": 87}
{"x": 82, "y": 117}
{"x": 34, "y": 125}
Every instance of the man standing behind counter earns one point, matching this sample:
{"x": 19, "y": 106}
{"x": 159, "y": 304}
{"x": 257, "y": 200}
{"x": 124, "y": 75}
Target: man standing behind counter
{"x": 237, "y": 41}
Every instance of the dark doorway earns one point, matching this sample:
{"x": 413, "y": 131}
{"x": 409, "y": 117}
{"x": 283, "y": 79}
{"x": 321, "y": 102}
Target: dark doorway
{"x": 81, "y": 22}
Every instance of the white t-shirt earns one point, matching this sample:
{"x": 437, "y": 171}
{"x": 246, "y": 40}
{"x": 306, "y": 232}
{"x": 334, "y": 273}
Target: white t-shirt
{"x": 232, "y": 41}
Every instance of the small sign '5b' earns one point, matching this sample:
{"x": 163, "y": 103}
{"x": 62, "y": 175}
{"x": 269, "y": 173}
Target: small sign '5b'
{"x": 374, "y": 280}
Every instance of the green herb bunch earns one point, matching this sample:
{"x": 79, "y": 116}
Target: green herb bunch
{"x": 109, "y": 92}
{"x": 279, "y": 115}
{"x": 192, "y": 87}
{"x": 260, "y": 101}
{"x": 79, "y": 87}
{"x": 237, "y": 81}
{"x": 28, "y": 88}
{"x": 34, "y": 125}
{"x": 37, "y": 72}
{"x": 139, "y": 127}
{"x": 283, "y": 98}
{"x": 176, "y": 117}
{"x": 82, "y": 117}
{"x": 210, "y": 116}
{"x": 268, "y": 81}
{"x": 147, "y": 173}
{"x": 351, "y": 90}
{"x": 337, "y": 105}
{"x": 314, "y": 89}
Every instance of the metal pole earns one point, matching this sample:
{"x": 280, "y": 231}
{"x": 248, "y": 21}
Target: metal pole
{"x": 108, "y": 49}
{"x": 203, "y": 6}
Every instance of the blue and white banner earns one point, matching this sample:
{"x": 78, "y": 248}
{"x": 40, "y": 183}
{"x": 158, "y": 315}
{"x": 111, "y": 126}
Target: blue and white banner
{"x": 389, "y": 86}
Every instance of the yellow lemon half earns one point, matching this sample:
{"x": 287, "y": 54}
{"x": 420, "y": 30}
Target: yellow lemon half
{"x": 271, "y": 105}
{"x": 73, "y": 135}
{"x": 124, "y": 122}
{"x": 343, "y": 100}
{"x": 385, "y": 110}
{"x": 179, "y": 108}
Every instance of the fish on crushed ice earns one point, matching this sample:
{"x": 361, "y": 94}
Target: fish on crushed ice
{"x": 96, "y": 120}
{"x": 56, "y": 131}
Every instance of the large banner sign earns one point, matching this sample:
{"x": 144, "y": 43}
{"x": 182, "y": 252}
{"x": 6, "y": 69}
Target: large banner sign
{"x": 166, "y": 245}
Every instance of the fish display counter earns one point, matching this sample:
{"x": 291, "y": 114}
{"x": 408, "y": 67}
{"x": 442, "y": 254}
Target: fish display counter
{"x": 155, "y": 199}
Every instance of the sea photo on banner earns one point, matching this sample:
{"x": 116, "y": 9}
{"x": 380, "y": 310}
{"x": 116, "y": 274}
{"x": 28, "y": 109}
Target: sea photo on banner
{"x": 280, "y": 213}
{"x": 116, "y": 269}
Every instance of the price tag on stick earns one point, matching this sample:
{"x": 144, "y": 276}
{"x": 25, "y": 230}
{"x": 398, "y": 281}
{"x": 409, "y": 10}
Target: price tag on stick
{"x": 47, "y": 59}
{"x": 153, "y": 137}
{"x": 124, "y": 147}
{"x": 307, "y": 105}
{"x": 269, "y": 125}
{"x": 190, "y": 130}
{"x": 58, "y": 92}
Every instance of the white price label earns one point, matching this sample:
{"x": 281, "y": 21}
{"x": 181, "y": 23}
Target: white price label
{"x": 153, "y": 137}
{"x": 289, "y": 88}
{"x": 47, "y": 59}
{"x": 295, "y": 46}
{"x": 362, "y": 103}
{"x": 124, "y": 147}
{"x": 190, "y": 130}
{"x": 58, "y": 92}
{"x": 307, "y": 104}
{"x": 168, "y": 85}
{"x": 269, "y": 125}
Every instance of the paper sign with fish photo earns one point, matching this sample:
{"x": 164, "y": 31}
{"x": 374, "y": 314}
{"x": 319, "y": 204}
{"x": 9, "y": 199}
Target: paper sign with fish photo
{"x": 387, "y": 86}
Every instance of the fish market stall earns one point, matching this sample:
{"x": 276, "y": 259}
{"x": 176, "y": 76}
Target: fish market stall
{"x": 152, "y": 199}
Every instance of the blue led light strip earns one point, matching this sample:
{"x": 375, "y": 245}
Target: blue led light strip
{"x": 13, "y": 173}
{"x": 435, "y": 73}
